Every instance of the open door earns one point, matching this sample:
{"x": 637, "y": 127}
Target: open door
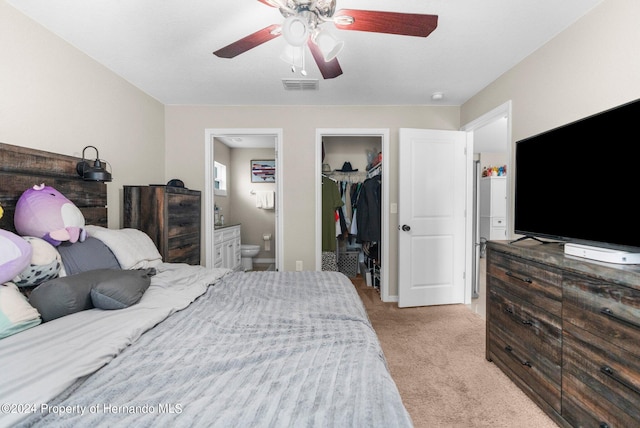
{"x": 432, "y": 217}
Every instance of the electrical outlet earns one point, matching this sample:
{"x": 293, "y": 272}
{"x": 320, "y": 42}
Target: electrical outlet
{"x": 298, "y": 265}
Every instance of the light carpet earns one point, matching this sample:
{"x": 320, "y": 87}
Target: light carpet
{"x": 436, "y": 356}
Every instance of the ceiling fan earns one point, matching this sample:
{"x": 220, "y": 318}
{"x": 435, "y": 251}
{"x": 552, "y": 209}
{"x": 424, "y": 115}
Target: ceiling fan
{"x": 303, "y": 26}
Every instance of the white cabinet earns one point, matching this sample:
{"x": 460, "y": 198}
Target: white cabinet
{"x": 227, "y": 248}
{"x": 493, "y": 208}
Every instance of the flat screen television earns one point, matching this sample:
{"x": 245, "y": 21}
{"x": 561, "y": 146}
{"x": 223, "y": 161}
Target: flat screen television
{"x": 580, "y": 183}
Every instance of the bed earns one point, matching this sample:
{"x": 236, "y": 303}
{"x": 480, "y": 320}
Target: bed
{"x": 202, "y": 347}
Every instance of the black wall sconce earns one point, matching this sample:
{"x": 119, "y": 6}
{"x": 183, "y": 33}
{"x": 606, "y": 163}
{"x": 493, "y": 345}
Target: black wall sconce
{"x": 97, "y": 172}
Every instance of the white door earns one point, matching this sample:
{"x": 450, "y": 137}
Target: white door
{"x": 432, "y": 203}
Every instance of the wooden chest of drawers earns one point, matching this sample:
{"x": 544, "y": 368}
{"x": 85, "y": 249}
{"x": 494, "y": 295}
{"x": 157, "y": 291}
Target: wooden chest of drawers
{"x": 524, "y": 325}
{"x": 601, "y": 372}
{"x": 567, "y": 331}
{"x": 170, "y": 216}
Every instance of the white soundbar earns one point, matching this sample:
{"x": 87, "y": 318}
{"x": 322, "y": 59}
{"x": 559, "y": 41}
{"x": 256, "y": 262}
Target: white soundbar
{"x": 602, "y": 254}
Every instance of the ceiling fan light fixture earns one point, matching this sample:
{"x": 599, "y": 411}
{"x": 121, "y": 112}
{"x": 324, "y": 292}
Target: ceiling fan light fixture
{"x": 295, "y": 30}
{"x": 292, "y": 55}
{"x": 328, "y": 45}
{"x": 303, "y": 20}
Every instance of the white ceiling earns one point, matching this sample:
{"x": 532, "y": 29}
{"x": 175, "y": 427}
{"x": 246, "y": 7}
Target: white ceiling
{"x": 165, "y": 48}
{"x": 249, "y": 141}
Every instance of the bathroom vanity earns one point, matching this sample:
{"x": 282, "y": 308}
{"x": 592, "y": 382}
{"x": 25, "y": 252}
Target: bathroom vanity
{"x": 226, "y": 247}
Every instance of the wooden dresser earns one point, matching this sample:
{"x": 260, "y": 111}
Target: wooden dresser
{"x": 170, "y": 216}
{"x": 566, "y": 330}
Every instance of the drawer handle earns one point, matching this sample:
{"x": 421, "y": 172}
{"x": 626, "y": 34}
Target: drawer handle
{"x": 523, "y": 279}
{"x": 510, "y": 350}
{"x": 509, "y": 310}
{"x": 612, "y": 374}
{"x": 608, "y": 312}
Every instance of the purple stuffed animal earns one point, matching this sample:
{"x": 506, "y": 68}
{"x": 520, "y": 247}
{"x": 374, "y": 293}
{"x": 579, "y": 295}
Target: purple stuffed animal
{"x": 15, "y": 254}
{"x": 45, "y": 213}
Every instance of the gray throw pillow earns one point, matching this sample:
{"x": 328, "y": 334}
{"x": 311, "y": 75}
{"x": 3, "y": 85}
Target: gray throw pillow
{"x": 123, "y": 290}
{"x": 115, "y": 289}
{"x": 62, "y": 296}
{"x": 85, "y": 256}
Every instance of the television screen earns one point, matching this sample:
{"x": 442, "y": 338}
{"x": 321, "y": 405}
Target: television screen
{"x": 580, "y": 182}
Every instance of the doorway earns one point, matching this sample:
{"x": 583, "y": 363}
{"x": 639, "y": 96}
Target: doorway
{"x": 253, "y": 141}
{"x": 383, "y": 136}
{"x": 492, "y": 137}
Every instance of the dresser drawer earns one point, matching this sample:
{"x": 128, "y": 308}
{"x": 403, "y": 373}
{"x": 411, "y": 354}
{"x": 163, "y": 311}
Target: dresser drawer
{"x": 538, "y": 332}
{"x": 230, "y": 233}
{"x": 532, "y": 282}
{"x": 178, "y": 202}
{"x": 185, "y": 249}
{"x": 183, "y": 214}
{"x": 540, "y": 379}
{"x": 601, "y": 383}
{"x": 498, "y": 222}
{"x": 608, "y": 310}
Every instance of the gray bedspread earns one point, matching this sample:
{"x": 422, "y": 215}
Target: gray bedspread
{"x": 260, "y": 349}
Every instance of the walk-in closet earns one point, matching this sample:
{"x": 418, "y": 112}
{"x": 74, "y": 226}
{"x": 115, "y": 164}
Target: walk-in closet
{"x": 352, "y": 206}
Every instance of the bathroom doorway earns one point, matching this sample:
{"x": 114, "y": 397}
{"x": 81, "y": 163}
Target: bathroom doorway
{"x": 235, "y": 151}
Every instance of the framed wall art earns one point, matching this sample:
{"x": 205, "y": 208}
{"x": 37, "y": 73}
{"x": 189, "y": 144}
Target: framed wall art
{"x": 263, "y": 171}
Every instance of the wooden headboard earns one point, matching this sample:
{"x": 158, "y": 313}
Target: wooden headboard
{"x": 21, "y": 168}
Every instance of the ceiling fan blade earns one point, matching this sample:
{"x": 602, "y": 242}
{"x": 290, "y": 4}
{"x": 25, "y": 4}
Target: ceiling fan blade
{"x": 268, "y": 3}
{"x": 249, "y": 42}
{"x": 405, "y": 24}
{"x": 329, "y": 69}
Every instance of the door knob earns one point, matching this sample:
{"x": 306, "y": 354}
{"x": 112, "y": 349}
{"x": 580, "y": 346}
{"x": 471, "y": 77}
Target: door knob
{"x": 406, "y": 227}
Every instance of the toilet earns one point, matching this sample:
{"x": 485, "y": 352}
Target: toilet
{"x": 247, "y": 253}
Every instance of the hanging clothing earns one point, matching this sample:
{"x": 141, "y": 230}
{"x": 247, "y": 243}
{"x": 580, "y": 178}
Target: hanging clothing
{"x": 348, "y": 209}
{"x": 368, "y": 213}
{"x": 355, "y": 194}
{"x": 331, "y": 201}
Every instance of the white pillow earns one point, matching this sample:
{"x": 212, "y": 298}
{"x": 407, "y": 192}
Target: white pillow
{"x": 16, "y": 314}
{"x": 133, "y": 248}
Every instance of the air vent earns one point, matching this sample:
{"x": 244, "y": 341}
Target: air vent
{"x": 300, "y": 84}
